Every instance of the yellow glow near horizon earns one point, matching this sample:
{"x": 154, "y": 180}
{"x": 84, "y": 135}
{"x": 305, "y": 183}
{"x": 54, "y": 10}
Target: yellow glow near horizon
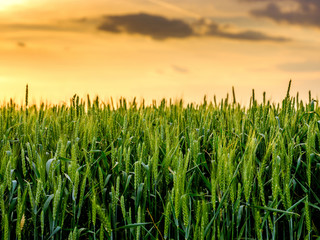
{"x": 7, "y": 4}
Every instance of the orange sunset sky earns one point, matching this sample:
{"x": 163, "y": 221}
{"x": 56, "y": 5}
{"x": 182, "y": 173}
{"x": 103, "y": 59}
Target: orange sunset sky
{"x": 153, "y": 49}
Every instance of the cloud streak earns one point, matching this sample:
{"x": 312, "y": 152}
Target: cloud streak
{"x": 161, "y": 28}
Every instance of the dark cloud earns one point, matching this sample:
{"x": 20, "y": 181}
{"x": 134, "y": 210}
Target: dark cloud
{"x": 161, "y": 28}
{"x": 307, "y": 13}
{"x": 157, "y": 27}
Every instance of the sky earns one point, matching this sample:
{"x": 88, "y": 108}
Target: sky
{"x": 156, "y": 49}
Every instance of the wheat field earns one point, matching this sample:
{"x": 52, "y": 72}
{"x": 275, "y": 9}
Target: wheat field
{"x": 217, "y": 170}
